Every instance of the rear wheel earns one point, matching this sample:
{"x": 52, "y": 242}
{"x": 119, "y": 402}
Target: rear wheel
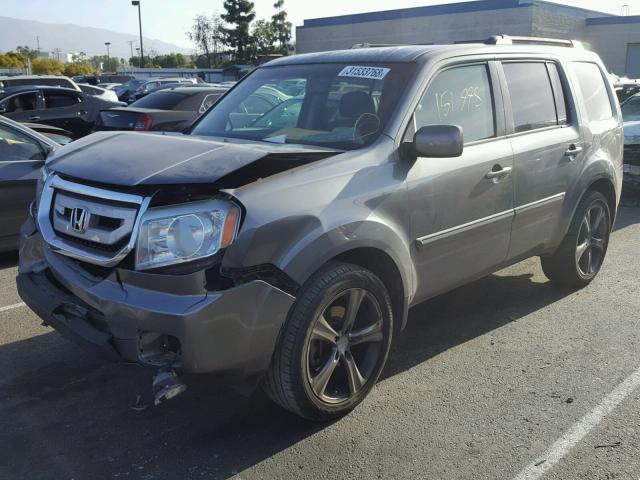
{"x": 581, "y": 254}
{"x": 334, "y": 344}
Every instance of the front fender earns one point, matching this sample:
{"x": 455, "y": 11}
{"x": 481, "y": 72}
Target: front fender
{"x": 299, "y": 246}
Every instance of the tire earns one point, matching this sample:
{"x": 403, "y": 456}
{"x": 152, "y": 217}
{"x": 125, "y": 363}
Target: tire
{"x": 312, "y": 372}
{"x": 582, "y": 252}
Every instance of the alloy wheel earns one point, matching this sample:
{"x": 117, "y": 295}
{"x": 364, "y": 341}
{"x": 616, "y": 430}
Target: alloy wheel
{"x": 593, "y": 237}
{"x": 344, "y": 346}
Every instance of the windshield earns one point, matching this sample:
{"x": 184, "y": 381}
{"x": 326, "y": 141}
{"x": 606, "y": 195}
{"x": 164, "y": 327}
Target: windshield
{"x": 130, "y": 85}
{"x": 331, "y": 105}
{"x": 631, "y": 110}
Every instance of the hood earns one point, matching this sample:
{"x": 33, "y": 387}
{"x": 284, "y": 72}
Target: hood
{"x": 134, "y": 158}
{"x": 632, "y": 133}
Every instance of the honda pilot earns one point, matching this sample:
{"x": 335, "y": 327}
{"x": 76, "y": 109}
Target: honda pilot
{"x": 283, "y": 245}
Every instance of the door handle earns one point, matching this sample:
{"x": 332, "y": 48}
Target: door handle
{"x": 573, "y": 151}
{"x": 82, "y": 112}
{"x": 498, "y": 173}
{"x": 34, "y": 117}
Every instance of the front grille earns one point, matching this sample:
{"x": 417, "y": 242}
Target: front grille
{"x": 632, "y": 155}
{"x": 90, "y": 224}
{"x": 95, "y": 245}
{"x": 92, "y": 221}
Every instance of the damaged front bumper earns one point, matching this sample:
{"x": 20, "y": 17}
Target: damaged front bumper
{"x": 158, "y": 320}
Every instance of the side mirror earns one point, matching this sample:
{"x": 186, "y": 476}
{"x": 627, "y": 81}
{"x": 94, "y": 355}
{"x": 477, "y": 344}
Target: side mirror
{"x": 439, "y": 141}
{"x": 3, "y": 108}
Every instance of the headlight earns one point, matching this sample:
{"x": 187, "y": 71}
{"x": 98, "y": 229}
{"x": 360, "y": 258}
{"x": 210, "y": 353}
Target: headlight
{"x": 182, "y": 233}
{"x": 42, "y": 179}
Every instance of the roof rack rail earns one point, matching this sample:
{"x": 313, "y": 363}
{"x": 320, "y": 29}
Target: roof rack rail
{"x": 375, "y": 45}
{"x": 510, "y": 40}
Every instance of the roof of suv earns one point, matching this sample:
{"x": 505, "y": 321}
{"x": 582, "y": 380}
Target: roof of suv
{"x": 411, "y": 53}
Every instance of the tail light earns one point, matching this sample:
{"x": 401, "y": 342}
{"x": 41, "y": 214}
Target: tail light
{"x": 143, "y": 123}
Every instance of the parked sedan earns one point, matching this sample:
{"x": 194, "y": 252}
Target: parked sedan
{"x": 60, "y": 107}
{"x": 166, "y": 110}
{"x": 22, "y": 154}
{"x": 151, "y": 85}
{"x": 126, "y": 91}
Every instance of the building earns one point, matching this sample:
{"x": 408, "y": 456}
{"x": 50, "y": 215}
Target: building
{"x": 615, "y": 38}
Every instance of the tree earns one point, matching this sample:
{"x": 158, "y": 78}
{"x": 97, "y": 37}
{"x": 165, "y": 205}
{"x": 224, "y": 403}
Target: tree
{"x": 202, "y": 35}
{"x": 27, "y": 52}
{"x": 47, "y": 66}
{"x": 104, "y": 63}
{"x": 282, "y": 27}
{"x": 12, "y": 60}
{"x": 263, "y": 36}
{"x": 239, "y": 14}
{"x": 78, "y": 68}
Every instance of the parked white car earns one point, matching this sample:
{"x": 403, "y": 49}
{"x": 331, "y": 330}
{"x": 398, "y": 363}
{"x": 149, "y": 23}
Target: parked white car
{"x": 103, "y": 93}
{"x": 109, "y": 86}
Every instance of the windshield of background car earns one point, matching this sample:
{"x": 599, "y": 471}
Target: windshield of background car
{"x": 631, "y": 110}
{"x": 130, "y": 85}
{"x": 342, "y": 106}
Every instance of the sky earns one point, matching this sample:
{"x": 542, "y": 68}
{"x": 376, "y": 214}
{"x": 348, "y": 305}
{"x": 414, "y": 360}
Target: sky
{"x": 169, "y": 20}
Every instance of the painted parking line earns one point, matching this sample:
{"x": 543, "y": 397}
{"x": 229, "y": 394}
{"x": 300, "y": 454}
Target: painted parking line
{"x": 11, "y": 307}
{"x": 580, "y": 429}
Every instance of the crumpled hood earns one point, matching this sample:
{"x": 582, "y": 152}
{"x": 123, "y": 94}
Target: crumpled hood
{"x": 632, "y": 133}
{"x": 134, "y": 158}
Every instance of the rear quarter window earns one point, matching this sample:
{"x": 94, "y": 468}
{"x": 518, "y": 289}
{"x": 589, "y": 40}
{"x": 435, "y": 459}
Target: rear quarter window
{"x": 594, "y": 91}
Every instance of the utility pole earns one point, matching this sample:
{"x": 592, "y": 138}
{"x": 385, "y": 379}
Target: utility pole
{"x": 136, "y": 3}
{"x": 130, "y": 42}
{"x": 57, "y": 51}
{"x": 108, "y": 55}
{"x": 38, "y": 45}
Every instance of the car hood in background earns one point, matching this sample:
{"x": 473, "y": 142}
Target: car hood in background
{"x": 133, "y": 158}
{"x": 632, "y": 133}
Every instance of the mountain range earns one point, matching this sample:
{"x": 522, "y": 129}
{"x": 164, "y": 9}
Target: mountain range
{"x": 71, "y": 38}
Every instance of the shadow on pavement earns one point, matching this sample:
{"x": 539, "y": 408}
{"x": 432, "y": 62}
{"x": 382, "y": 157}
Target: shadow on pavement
{"x": 8, "y": 259}
{"x": 627, "y": 216}
{"x": 67, "y": 415}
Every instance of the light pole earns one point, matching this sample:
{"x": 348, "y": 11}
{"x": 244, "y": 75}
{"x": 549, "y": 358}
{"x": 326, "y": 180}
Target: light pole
{"x": 130, "y": 42}
{"x": 108, "y": 56}
{"x": 136, "y": 3}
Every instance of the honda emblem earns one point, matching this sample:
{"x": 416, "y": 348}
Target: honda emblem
{"x": 80, "y": 219}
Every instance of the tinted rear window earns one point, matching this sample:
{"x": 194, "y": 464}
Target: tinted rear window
{"x": 594, "y": 91}
{"x": 162, "y": 100}
{"x": 531, "y": 95}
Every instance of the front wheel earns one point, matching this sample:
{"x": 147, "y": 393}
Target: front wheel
{"x": 334, "y": 344}
{"x": 581, "y": 254}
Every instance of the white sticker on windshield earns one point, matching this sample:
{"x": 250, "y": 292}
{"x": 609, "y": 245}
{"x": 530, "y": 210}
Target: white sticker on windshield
{"x": 375, "y": 73}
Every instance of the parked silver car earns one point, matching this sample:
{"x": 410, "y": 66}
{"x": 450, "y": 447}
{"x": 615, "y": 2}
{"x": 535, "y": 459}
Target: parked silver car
{"x": 288, "y": 251}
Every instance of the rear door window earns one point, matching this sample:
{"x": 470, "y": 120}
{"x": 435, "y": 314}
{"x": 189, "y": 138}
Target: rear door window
{"x": 594, "y": 91}
{"x": 460, "y": 96}
{"x": 61, "y": 99}
{"x": 532, "y": 100}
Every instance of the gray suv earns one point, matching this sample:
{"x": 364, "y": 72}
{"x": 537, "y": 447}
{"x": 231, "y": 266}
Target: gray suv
{"x": 284, "y": 245}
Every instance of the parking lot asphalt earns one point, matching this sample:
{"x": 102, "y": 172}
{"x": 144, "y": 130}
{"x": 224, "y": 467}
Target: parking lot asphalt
{"x": 500, "y": 379}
